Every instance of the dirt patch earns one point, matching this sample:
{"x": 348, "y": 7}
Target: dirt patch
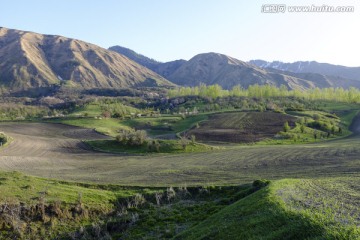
{"x": 241, "y": 127}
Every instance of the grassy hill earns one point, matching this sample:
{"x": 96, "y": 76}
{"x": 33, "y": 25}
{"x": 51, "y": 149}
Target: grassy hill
{"x": 287, "y": 209}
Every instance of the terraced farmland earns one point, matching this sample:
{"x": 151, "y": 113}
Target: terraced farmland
{"x": 241, "y": 126}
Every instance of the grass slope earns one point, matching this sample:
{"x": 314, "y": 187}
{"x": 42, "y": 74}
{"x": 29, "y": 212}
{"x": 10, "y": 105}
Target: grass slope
{"x": 37, "y": 208}
{"x": 280, "y": 212}
{"x": 27, "y": 189}
{"x": 107, "y": 126}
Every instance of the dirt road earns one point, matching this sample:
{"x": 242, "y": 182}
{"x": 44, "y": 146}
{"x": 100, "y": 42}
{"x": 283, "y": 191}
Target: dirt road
{"x": 56, "y": 151}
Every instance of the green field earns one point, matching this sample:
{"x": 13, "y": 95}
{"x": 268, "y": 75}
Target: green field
{"x": 105, "y": 126}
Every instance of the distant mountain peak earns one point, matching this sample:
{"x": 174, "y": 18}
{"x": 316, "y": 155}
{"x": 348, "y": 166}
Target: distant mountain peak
{"x": 312, "y": 67}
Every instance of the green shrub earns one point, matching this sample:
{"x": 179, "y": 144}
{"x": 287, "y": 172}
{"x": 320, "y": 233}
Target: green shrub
{"x": 3, "y": 139}
{"x": 260, "y": 183}
{"x": 286, "y": 127}
{"x": 323, "y": 126}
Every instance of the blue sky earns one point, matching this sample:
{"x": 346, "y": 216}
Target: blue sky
{"x": 167, "y": 29}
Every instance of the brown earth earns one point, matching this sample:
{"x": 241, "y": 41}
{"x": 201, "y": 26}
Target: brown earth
{"x": 241, "y": 127}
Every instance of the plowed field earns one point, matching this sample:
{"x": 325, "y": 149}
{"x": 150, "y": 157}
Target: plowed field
{"x": 56, "y": 151}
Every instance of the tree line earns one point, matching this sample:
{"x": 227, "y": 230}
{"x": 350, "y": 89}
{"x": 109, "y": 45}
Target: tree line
{"x": 351, "y": 95}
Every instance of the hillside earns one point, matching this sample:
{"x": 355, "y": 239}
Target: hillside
{"x": 136, "y": 57}
{"x": 164, "y": 69}
{"x": 287, "y": 209}
{"x": 32, "y": 60}
{"x": 312, "y": 67}
{"x": 320, "y": 80}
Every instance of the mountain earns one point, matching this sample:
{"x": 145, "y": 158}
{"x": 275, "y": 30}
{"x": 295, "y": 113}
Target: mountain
{"x": 164, "y": 69}
{"x": 312, "y": 67}
{"x": 136, "y": 57}
{"x": 31, "y": 60}
{"x": 215, "y": 68}
{"x": 320, "y": 80}
{"x": 168, "y": 68}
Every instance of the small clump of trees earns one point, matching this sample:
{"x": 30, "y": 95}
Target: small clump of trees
{"x": 19, "y": 111}
{"x": 317, "y": 126}
{"x": 139, "y": 139}
{"x": 132, "y": 137}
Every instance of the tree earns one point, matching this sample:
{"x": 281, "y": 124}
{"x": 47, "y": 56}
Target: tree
{"x": 106, "y": 114}
{"x": 141, "y": 136}
{"x": 156, "y": 145}
{"x": 193, "y": 139}
{"x": 302, "y": 128}
{"x": 340, "y": 130}
{"x": 315, "y": 135}
{"x": 184, "y": 142}
{"x": 333, "y": 129}
{"x": 286, "y": 127}
{"x": 153, "y": 145}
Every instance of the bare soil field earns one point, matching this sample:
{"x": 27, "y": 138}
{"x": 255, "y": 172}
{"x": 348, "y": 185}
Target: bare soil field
{"x": 241, "y": 127}
{"x": 56, "y": 151}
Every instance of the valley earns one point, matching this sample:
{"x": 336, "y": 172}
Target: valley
{"x": 100, "y": 143}
{"x": 97, "y": 194}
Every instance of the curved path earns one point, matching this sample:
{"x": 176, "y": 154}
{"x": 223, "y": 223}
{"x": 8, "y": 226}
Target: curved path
{"x": 56, "y": 151}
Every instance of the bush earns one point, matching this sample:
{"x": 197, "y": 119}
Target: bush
{"x": 286, "y": 127}
{"x": 153, "y": 146}
{"x": 323, "y": 126}
{"x": 260, "y": 183}
{"x": 3, "y": 139}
